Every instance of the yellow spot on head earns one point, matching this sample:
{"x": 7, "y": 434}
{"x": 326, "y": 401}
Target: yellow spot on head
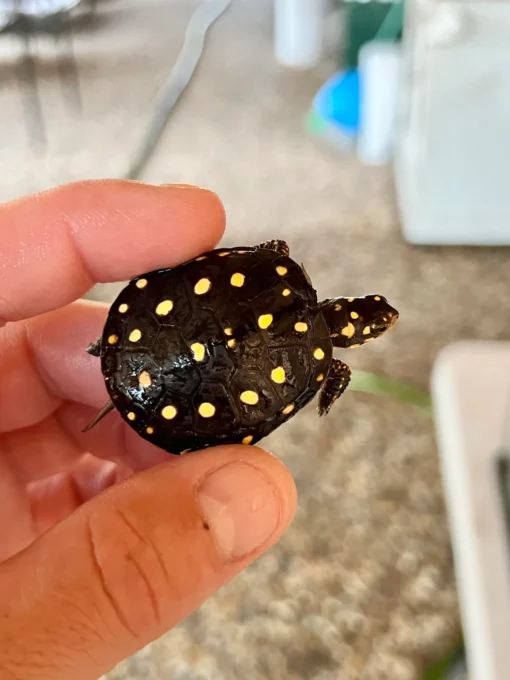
{"x": 232, "y": 343}
{"x": 123, "y": 308}
{"x": 278, "y": 375}
{"x": 131, "y": 416}
{"x": 164, "y": 307}
{"x": 366, "y": 330}
{"x": 265, "y": 320}
{"x": 286, "y": 292}
{"x": 301, "y": 327}
{"x": 250, "y": 397}
{"x": 198, "y": 351}
{"x": 354, "y": 315}
{"x": 144, "y": 379}
{"x": 141, "y": 283}
{"x": 320, "y": 377}
{"x": 281, "y": 270}
{"x": 237, "y": 280}
{"x": 169, "y": 412}
{"x": 348, "y": 330}
{"x": 135, "y": 335}
{"x": 319, "y": 353}
{"x": 202, "y": 286}
{"x": 288, "y": 409}
{"x": 113, "y": 339}
{"x": 248, "y": 439}
{"x": 377, "y": 298}
{"x": 206, "y": 410}
{"x": 150, "y": 430}
{"x": 228, "y": 331}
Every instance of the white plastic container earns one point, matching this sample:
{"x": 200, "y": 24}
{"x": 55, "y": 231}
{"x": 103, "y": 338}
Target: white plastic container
{"x": 452, "y": 161}
{"x": 299, "y": 31}
{"x": 379, "y": 75}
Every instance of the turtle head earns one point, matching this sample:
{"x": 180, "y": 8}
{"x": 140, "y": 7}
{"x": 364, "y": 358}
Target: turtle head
{"x": 354, "y": 321}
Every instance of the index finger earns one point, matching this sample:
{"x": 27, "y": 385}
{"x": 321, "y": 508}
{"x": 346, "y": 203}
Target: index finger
{"x": 54, "y": 246}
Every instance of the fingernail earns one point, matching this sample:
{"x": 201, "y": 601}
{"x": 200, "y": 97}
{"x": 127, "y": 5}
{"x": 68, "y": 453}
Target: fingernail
{"x": 186, "y": 186}
{"x": 241, "y": 508}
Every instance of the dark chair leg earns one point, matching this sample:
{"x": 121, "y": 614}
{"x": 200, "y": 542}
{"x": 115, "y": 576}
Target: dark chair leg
{"x": 66, "y": 62}
{"x": 30, "y": 91}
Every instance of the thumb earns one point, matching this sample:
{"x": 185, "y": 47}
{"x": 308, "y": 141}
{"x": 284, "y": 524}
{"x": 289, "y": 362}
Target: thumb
{"x": 134, "y": 561}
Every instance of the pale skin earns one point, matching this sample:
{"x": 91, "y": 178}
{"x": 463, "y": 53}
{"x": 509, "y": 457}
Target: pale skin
{"x": 105, "y": 541}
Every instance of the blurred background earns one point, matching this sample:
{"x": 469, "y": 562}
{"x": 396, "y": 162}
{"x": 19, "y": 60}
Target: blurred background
{"x": 373, "y": 137}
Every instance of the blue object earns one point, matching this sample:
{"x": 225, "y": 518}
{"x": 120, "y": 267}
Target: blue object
{"x": 337, "y": 101}
{"x": 335, "y": 109}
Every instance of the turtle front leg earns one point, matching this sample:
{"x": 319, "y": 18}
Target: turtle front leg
{"x": 335, "y": 385}
{"x": 278, "y": 246}
{"x": 95, "y": 348}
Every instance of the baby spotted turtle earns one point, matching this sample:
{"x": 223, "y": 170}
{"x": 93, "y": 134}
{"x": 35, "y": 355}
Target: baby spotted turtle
{"x": 227, "y": 347}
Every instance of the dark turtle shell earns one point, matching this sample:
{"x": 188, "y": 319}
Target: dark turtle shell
{"x": 222, "y": 349}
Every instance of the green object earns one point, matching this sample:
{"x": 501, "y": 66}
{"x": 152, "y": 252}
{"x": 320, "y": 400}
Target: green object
{"x": 372, "y": 383}
{"x": 444, "y": 668}
{"x": 367, "y": 21}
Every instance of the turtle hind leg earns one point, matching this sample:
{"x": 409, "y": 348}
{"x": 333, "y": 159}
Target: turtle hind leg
{"x": 102, "y": 413}
{"x": 278, "y": 246}
{"x": 95, "y": 348}
{"x": 334, "y": 385}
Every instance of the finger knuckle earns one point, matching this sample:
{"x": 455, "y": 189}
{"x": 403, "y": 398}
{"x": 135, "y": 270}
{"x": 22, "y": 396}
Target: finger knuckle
{"x": 130, "y": 571}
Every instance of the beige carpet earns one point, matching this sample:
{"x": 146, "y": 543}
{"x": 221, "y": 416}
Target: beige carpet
{"x": 362, "y": 584}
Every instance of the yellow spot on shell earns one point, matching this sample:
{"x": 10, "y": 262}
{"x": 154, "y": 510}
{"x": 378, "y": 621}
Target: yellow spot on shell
{"x": 198, "y": 351}
{"x": 288, "y": 409}
{"x": 164, "y": 307}
{"x": 131, "y": 416}
{"x": 169, "y": 412}
{"x": 145, "y": 379}
{"x": 113, "y": 339}
{"x": 248, "y": 439}
{"x": 319, "y": 353}
{"x": 354, "y": 315}
{"x": 265, "y": 320}
{"x": 202, "y": 257}
{"x": 377, "y": 298}
{"x": 237, "y": 280}
{"x": 150, "y": 430}
{"x": 135, "y": 335}
{"x": 202, "y": 286}
{"x": 232, "y": 343}
{"x": 123, "y": 308}
{"x": 278, "y": 375}
{"x": 320, "y": 377}
{"x": 338, "y": 307}
{"x": 366, "y": 330}
{"x": 228, "y": 331}
{"x": 353, "y": 346}
{"x": 250, "y": 397}
{"x": 241, "y": 252}
{"x": 348, "y": 330}
{"x": 281, "y": 270}
{"x": 206, "y": 410}
{"x": 286, "y": 292}
{"x": 141, "y": 283}
{"x": 350, "y": 299}
{"x": 301, "y": 327}
{"x": 224, "y": 253}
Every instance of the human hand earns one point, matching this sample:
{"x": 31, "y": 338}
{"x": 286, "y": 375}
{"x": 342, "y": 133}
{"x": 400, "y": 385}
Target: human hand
{"x": 105, "y": 541}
